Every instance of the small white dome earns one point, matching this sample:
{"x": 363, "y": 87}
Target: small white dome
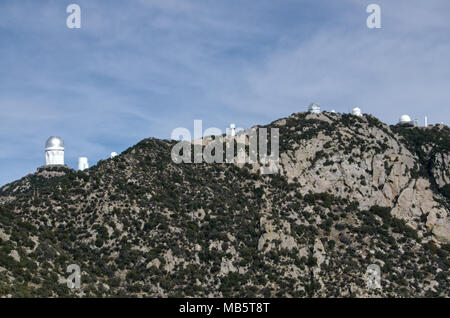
{"x": 54, "y": 142}
{"x": 113, "y": 154}
{"x": 356, "y": 111}
{"x": 314, "y": 108}
{"x": 404, "y": 119}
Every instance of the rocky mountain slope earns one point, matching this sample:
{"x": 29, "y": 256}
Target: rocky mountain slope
{"x": 351, "y": 192}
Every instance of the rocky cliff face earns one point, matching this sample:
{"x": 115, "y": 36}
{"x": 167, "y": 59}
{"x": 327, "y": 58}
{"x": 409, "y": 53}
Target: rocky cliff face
{"x": 351, "y": 192}
{"x": 366, "y": 162}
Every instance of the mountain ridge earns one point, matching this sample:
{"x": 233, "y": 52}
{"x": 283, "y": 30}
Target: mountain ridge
{"x": 351, "y": 191}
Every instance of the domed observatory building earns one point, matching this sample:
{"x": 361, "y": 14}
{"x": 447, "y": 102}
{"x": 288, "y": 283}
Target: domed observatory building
{"x": 356, "y": 112}
{"x": 314, "y": 108}
{"x": 54, "y": 151}
{"x": 406, "y": 121}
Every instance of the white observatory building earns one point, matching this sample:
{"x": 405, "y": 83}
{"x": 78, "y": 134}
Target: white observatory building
{"x": 314, "y": 108}
{"x": 405, "y": 120}
{"x": 232, "y": 130}
{"x": 83, "y": 163}
{"x": 356, "y": 112}
{"x": 113, "y": 155}
{"x": 54, "y": 151}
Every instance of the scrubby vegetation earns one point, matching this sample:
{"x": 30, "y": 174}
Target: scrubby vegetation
{"x": 140, "y": 225}
{"x": 430, "y": 145}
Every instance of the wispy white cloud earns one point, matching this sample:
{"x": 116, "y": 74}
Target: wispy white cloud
{"x": 142, "y": 68}
{"x": 398, "y": 69}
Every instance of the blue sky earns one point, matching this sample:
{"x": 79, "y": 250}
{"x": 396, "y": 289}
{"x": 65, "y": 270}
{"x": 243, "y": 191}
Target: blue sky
{"x": 141, "y": 68}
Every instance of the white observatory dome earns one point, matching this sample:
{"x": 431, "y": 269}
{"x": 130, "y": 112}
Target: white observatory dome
{"x": 356, "y": 111}
{"x": 113, "y": 154}
{"x": 54, "y": 151}
{"x": 314, "y": 108}
{"x": 54, "y": 142}
{"x": 405, "y": 119}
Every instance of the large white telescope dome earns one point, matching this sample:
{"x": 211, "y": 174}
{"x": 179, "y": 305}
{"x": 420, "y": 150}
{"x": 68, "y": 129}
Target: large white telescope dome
{"x": 54, "y": 151}
{"x": 54, "y": 142}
